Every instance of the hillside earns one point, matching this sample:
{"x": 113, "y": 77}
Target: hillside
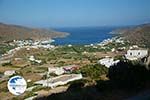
{"x": 15, "y": 32}
{"x": 139, "y": 35}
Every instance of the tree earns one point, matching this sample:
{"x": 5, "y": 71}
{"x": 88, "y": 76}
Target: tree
{"x": 93, "y": 71}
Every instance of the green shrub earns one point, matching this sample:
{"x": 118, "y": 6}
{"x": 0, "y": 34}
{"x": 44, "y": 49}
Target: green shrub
{"x": 93, "y": 71}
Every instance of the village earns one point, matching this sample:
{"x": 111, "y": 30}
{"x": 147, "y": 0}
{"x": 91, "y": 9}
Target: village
{"x": 45, "y": 65}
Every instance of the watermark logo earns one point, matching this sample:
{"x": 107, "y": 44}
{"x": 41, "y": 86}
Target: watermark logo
{"x": 17, "y": 85}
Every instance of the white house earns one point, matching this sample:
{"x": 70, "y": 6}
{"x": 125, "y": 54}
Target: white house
{"x": 59, "y": 80}
{"x": 56, "y": 70}
{"x": 69, "y": 45}
{"x": 136, "y": 54}
{"x": 9, "y": 72}
{"x": 107, "y": 61}
{"x": 31, "y": 58}
{"x": 113, "y": 50}
{"x": 38, "y": 61}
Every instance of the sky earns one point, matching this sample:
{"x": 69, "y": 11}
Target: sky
{"x": 74, "y": 13}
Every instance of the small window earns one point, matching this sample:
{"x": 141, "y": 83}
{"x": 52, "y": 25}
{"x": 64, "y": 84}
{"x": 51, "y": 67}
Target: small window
{"x": 138, "y": 53}
{"x": 131, "y": 53}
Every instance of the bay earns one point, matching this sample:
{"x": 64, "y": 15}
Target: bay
{"x": 84, "y": 35}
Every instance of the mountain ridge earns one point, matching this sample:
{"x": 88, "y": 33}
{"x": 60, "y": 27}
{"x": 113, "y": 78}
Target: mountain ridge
{"x": 16, "y": 32}
{"x": 139, "y": 35}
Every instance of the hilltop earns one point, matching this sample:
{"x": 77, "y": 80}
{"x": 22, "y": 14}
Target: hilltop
{"x": 139, "y": 35}
{"x": 16, "y": 32}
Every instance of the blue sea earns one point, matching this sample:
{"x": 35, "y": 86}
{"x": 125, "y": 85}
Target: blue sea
{"x": 84, "y": 35}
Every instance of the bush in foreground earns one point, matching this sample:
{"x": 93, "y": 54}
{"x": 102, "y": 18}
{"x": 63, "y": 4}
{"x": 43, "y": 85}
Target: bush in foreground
{"x": 129, "y": 74}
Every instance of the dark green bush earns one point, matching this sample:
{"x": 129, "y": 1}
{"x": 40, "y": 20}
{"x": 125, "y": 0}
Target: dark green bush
{"x": 93, "y": 71}
{"x": 129, "y": 74}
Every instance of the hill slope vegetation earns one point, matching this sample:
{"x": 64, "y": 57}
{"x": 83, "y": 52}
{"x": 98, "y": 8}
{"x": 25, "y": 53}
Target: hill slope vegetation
{"x": 139, "y": 35}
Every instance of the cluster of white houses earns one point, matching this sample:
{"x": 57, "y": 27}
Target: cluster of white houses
{"x": 31, "y": 42}
{"x": 32, "y": 58}
{"x": 11, "y": 52}
{"x": 27, "y": 44}
{"x": 115, "y": 39}
{"x": 135, "y": 54}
